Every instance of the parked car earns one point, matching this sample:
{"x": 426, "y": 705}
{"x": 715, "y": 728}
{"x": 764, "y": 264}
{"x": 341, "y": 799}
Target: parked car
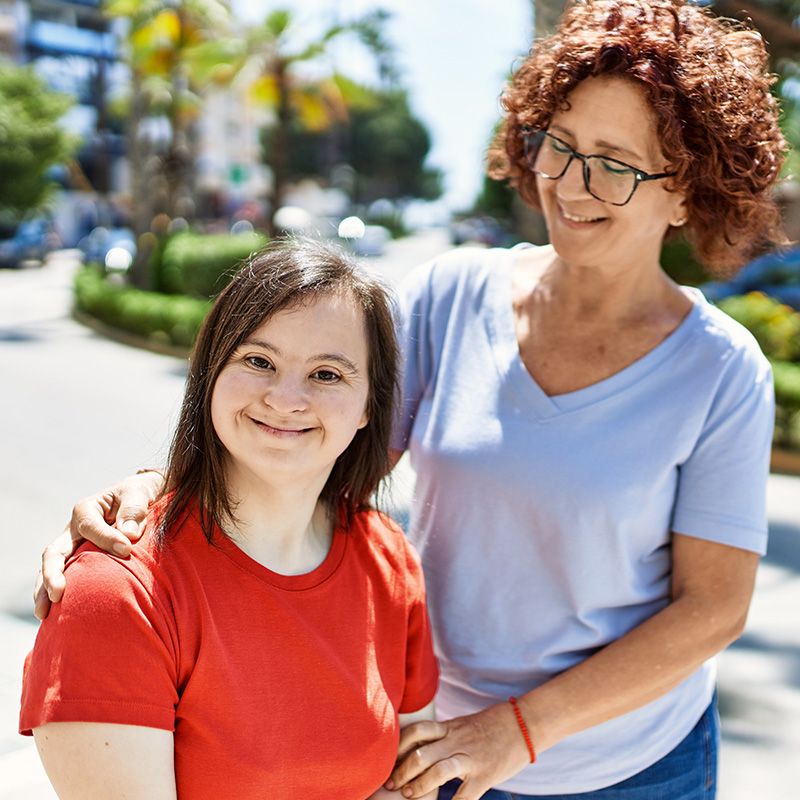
{"x": 776, "y": 274}
{"x": 479, "y": 230}
{"x": 30, "y": 240}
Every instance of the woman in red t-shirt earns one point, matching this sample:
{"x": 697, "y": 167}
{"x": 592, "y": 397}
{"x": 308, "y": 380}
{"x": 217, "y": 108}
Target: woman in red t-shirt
{"x": 267, "y": 636}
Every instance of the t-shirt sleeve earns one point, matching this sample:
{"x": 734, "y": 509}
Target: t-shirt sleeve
{"x": 414, "y": 314}
{"x": 422, "y": 671}
{"x": 722, "y": 485}
{"x": 105, "y": 653}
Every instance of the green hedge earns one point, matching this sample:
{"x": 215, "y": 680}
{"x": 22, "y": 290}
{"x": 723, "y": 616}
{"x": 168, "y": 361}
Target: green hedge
{"x": 777, "y": 330}
{"x": 200, "y": 265}
{"x": 163, "y": 318}
{"x": 775, "y": 326}
{"x": 787, "y": 400}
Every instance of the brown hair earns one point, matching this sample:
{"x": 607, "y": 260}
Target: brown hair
{"x": 285, "y": 274}
{"x": 708, "y": 84}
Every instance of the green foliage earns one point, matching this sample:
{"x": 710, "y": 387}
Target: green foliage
{"x": 200, "y": 265}
{"x": 496, "y": 199}
{"x": 787, "y": 384}
{"x": 31, "y": 140}
{"x": 382, "y": 141}
{"x": 679, "y": 262}
{"x": 775, "y": 326}
{"x": 159, "y": 317}
{"x": 787, "y": 401}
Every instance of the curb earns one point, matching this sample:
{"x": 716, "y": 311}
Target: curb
{"x": 127, "y": 338}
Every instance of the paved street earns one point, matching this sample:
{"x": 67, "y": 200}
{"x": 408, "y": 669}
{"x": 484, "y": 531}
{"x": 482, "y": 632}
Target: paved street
{"x": 79, "y": 411}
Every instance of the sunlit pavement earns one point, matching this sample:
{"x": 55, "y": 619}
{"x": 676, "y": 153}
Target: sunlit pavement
{"x": 69, "y": 397}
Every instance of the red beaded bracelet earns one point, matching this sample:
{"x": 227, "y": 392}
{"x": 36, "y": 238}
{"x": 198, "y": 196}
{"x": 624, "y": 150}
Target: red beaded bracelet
{"x": 523, "y": 727}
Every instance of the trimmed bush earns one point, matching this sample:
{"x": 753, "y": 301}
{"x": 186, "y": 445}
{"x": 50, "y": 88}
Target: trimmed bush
{"x": 775, "y": 326}
{"x": 200, "y": 265}
{"x": 162, "y": 318}
{"x": 787, "y": 399}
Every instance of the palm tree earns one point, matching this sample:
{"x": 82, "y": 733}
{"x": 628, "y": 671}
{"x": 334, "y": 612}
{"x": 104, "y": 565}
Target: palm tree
{"x": 265, "y": 58}
{"x": 161, "y": 35}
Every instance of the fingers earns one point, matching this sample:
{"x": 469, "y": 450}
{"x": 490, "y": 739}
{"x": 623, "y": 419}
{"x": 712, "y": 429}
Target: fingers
{"x": 88, "y": 522}
{"x": 134, "y": 496}
{"x": 41, "y": 601}
{"x": 437, "y": 775}
{"x": 414, "y": 762}
{"x": 50, "y": 582}
{"x": 419, "y": 733}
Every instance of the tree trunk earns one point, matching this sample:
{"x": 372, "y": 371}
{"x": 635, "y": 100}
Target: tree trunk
{"x": 277, "y": 158}
{"x": 141, "y": 196}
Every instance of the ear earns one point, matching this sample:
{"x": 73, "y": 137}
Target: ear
{"x": 680, "y": 213}
{"x": 362, "y": 423}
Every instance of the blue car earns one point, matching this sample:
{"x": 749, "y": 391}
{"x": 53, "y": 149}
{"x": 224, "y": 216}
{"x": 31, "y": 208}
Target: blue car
{"x": 776, "y": 274}
{"x": 29, "y": 241}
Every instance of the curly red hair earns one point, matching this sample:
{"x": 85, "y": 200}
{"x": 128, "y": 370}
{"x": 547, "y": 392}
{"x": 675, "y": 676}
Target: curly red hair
{"x": 708, "y": 83}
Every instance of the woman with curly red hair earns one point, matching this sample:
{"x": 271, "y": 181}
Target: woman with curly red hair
{"x": 592, "y": 440}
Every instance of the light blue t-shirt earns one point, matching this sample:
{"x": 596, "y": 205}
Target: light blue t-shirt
{"x": 544, "y": 523}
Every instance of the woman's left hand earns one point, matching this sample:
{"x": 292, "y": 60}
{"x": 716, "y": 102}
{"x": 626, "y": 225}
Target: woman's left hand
{"x": 482, "y": 749}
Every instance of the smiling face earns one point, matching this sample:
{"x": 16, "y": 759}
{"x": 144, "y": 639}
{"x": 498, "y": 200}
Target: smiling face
{"x": 609, "y": 116}
{"x": 292, "y": 397}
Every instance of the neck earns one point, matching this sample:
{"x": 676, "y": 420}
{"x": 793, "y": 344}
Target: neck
{"x": 604, "y": 294}
{"x": 283, "y": 527}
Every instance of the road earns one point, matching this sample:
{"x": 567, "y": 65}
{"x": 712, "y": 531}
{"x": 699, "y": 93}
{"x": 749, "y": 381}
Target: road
{"x": 78, "y": 411}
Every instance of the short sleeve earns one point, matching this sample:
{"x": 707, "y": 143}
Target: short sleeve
{"x": 722, "y": 485}
{"x": 422, "y": 672}
{"x": 414, "y": 313}
{"x": 105, "y": 653}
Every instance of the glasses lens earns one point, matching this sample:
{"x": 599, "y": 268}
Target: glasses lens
{"x": 610, "y": 181}
{"x": 546, "y": 155}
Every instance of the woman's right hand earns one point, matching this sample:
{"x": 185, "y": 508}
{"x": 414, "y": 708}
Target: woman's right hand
{"x": 111, "y": 519}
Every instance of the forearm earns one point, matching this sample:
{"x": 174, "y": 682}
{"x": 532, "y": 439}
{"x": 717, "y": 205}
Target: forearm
{"x": 632, "y": 671}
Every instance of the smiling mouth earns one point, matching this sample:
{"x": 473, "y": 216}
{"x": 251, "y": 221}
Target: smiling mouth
{"x": 577, "y": 218}
{"x": 280, "y": 432}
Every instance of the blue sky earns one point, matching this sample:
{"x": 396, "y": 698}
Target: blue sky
{"x": 454, "y": 59}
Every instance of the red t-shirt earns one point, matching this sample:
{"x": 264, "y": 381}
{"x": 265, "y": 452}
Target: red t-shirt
{"x": 275, "y": 686}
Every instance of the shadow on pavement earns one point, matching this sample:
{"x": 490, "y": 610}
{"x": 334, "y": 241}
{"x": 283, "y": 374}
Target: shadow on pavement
{"x": 740, "y": 725}
{"x": 787, "y": 655}
{"x": 15, "y": 335}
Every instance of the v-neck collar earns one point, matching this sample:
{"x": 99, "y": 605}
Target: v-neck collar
{"x": 500, "y": 325}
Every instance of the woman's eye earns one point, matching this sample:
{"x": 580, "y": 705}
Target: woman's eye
{"x": 560, "y": 147}
{"x": 326, "y": 376}
{"x": 259, "y": 362}
{"x": 615, "y": 169}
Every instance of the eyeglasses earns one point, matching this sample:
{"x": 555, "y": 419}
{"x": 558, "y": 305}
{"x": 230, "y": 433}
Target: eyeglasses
{"x": 606, "y": 179}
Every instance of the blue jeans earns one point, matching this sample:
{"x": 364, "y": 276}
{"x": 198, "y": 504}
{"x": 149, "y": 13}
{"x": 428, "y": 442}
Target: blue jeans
{"x": 689, "y": 772}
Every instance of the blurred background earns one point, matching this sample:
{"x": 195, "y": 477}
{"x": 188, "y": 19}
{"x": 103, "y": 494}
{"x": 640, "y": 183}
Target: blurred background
{"x": 148, "y": 146}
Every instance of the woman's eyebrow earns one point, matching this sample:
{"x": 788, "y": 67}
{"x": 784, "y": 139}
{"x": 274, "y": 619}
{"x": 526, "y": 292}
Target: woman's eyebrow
{"x": 343, "y": 360}
{"x": 601, "y": 143}
{"x": 338, "y": 358}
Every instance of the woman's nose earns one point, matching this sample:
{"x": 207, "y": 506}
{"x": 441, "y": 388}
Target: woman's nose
{"x": 286, "y": 394}
{"x": 572, "y": 184}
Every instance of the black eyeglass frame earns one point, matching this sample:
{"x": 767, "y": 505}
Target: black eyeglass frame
{"x": 640, "y": 175}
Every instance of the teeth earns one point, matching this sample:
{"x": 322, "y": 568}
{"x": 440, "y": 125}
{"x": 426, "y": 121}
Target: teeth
{"x": 573, "y": 218}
